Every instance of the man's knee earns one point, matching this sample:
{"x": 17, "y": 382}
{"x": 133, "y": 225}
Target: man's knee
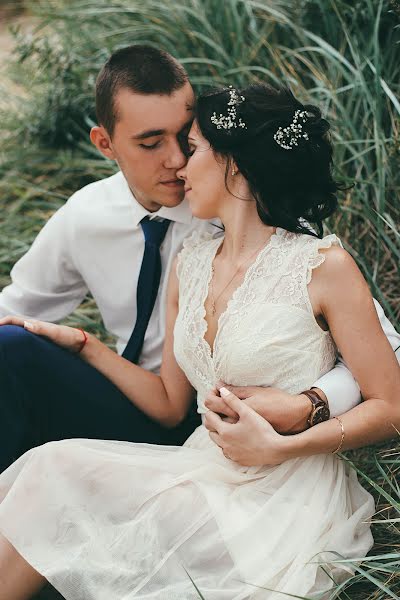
{"x": 13, "y": 334}
{"x": 16, "y": 345}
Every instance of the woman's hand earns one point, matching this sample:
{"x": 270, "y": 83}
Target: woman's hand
{"x": 286, "y": 413}
{"x": 249, "y": 441}
{"x": 67, "y": 337}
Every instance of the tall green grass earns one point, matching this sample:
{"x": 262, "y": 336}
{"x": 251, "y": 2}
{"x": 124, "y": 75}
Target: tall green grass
{"x": 343, "y": 56}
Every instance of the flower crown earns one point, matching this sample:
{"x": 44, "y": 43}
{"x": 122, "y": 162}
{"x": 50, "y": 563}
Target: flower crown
{"x": 289, "y": 136}
{"x": 286, "y": 137}
{"x": 230, "y": 119}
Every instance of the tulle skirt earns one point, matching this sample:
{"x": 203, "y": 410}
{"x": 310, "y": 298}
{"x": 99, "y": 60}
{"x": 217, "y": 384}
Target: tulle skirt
{"x": 108, "y": 520}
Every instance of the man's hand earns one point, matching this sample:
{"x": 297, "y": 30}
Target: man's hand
{"x": 250, "y": 440}
{"x": 67, "y": 337}
{"x": 286, "y": 413}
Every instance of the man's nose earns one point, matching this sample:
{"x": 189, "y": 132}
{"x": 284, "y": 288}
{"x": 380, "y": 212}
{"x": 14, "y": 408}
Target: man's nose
{"x": 176, "y": 157}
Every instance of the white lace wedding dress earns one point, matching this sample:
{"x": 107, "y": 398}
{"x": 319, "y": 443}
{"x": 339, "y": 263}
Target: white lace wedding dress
{"x": 119, "y": 521}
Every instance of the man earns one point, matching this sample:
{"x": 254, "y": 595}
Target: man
{"x": 117, "y": 239}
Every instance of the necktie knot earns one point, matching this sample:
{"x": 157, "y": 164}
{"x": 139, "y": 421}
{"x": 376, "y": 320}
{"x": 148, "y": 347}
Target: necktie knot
{"x": 154, "y": 231}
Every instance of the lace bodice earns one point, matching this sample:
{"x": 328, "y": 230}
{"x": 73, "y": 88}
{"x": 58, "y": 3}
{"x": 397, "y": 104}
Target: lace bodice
{"x": 268, "y": 335}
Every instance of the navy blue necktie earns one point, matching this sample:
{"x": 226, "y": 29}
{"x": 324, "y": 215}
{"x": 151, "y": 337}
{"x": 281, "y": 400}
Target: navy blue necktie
{"x": 148, "y": 284}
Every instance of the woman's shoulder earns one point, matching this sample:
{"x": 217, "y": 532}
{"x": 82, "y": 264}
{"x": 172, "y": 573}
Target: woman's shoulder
{"x": 311, "y": 251}
{"x": 330, "y": 260}
{"x": 335, "y": 259}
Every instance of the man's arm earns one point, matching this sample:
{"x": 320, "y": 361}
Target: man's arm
{"x": 46, "y": 283}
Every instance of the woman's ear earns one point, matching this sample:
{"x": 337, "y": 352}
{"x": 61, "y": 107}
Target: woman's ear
{"x": 233, "y": 168}
{"x": 101, "y": 139}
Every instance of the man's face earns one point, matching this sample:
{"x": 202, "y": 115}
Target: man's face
{"x": 149, "y": 143}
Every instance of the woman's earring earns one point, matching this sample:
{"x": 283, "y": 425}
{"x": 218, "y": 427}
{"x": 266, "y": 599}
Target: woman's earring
{"x": 233, "y": 172}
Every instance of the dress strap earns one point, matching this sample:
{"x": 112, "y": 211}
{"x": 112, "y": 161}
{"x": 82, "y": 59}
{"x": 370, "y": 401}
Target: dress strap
{"x": 188, "y": 257}
{"x": 316, "y": 257}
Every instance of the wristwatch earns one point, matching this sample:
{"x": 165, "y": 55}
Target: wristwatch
{"x": 319, "y": 410}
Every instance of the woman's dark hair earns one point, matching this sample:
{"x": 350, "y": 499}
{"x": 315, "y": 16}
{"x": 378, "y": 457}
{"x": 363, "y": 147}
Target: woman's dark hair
{"x": 293, "y": 188}
{"x": 139, "y": 68}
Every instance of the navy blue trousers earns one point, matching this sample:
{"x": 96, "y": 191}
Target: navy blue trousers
{"x": 47, "y": 394}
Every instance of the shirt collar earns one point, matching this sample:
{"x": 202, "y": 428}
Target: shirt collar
{"x": 179, "y": 214}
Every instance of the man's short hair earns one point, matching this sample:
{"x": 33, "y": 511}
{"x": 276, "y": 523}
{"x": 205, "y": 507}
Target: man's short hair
{"x": 141, "y": 69}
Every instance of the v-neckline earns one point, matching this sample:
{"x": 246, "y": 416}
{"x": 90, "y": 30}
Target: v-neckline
{"x": 213, "y": 253}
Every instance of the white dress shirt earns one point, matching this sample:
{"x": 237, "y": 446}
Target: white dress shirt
{"x": 95, "y": 243}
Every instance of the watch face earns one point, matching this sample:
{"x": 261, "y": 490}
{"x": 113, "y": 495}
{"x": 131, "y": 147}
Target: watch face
{"x": 321, "y": 414}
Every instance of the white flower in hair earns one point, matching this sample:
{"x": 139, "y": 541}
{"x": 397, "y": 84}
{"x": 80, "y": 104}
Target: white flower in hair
{"x": 289, "y": 136}
{"x": 230, "y": 119}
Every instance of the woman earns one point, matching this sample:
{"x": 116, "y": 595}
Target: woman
{"x": 271, "y": 301}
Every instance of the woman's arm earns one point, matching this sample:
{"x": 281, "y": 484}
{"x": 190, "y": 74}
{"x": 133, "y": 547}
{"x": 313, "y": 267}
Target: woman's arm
{"x": 165, "y": 398}
{"x": 340, "y": 295}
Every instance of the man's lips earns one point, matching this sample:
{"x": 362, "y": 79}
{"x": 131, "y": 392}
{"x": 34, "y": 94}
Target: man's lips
{"x": 173, "y": 182}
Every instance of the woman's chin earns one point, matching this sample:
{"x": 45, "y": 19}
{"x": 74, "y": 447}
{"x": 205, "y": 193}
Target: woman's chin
{"x": 201, "y": 212}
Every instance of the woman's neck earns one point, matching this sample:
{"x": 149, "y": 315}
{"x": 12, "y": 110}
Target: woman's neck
{"x": 244, "y": 231}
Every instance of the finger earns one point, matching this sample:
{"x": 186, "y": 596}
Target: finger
{"x": 218, "y": 405}
{"x": 12, "y": 320}
{"x": 31, "y": 326}
{"x": 240, "y": 392}
{"x": 213, "y": 395}
{"x": 215, "y": 438}
{"x": 213, "y": 422}
{"x": 41, "y": 328}
{"x": 240, "y": 408}
{"x": 215, "y": 404}
{"x": 35, "y": 326}
{"x": 212, "y": 392}
{"x": 231, "y": 420}
{"x": 226, "y": 454}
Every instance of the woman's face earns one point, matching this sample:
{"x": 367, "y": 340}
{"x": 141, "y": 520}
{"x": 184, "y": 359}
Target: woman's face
{"x": 204, "y": 177}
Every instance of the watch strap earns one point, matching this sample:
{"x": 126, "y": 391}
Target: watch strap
{"x": 316, "y": 402}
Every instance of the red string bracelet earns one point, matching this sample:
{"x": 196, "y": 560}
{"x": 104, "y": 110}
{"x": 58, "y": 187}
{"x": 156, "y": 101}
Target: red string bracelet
{"x": 85, "y": 339}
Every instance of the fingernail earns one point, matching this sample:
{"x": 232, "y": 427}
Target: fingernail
{"x": 224, "y": 392}
{"x": 29, "y": 325}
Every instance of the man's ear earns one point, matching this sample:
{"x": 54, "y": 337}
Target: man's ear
{"x": 101, "y": 139}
